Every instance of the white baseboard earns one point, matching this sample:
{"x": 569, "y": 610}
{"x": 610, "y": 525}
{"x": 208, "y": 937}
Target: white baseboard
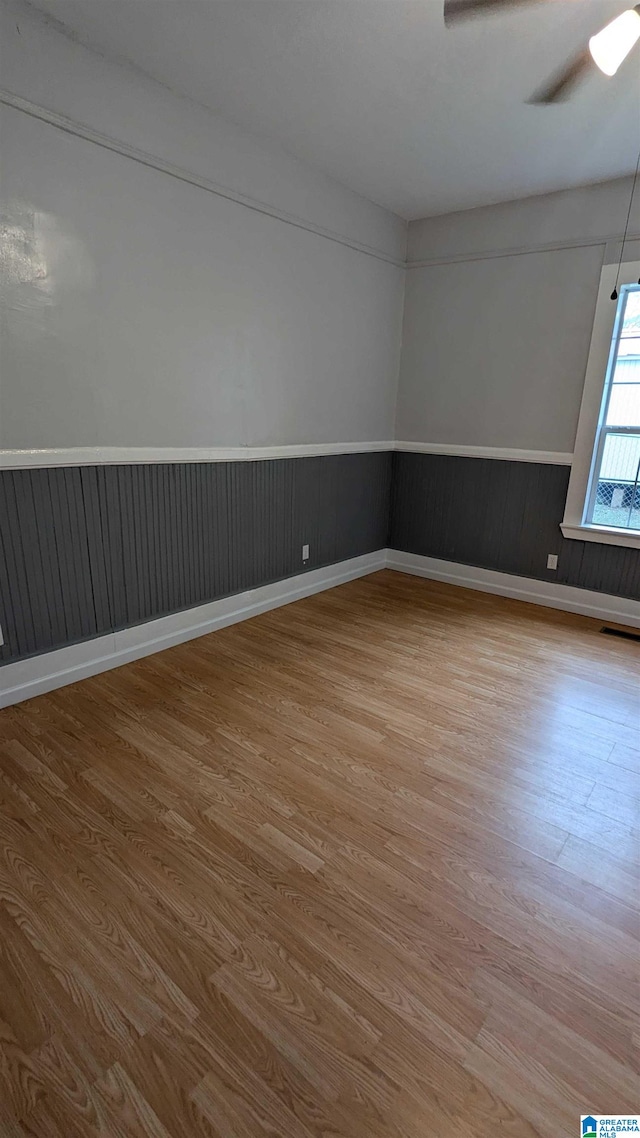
{"x": 39, "y": 674}
{"x": 603, "y": 606}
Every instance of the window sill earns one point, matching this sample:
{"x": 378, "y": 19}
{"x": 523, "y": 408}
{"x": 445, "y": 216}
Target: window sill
{"x": 606, "y": 535}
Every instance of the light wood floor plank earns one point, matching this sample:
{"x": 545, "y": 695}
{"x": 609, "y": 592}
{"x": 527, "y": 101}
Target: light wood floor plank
{"x": 366, "y": 866}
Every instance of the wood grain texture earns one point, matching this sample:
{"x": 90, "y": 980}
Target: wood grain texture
{"x": 366, "y": 866}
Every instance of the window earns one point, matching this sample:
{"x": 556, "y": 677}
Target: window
{"x": 603, "y": 503}
{"x": 614, "y": 498}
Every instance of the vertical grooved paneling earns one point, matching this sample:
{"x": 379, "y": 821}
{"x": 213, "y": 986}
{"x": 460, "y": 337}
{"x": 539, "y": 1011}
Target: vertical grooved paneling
{"x": 48, "y": 596}
{"x": 92, "y": 549}
{"x": 86, "y": 550}
{"x": 100, "y": 584}
{"x": 500, "y": 515}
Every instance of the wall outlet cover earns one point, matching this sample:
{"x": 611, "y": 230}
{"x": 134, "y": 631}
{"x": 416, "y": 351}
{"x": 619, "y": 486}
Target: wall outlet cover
{"x": 305, "y": 552}
{"x": 552, "y": 561}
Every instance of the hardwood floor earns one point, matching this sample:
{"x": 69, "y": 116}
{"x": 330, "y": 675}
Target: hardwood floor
{"x": 365, "y": 866}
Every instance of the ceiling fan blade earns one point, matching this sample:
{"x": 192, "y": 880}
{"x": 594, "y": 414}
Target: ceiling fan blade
{"x": 560, "y": 87}
{"x": 455, "y": 10}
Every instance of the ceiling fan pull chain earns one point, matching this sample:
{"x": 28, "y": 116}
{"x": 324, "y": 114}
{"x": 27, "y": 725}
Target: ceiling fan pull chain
{"x": 614, "y": 294}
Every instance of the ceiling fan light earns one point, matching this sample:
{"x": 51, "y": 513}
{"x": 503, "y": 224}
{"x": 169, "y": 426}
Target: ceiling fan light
{"x": 610, "y": 46}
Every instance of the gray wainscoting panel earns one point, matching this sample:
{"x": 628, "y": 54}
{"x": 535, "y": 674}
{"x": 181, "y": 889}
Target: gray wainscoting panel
{"x": 500, "y": 515}
{"x": 52, "y": 579}
{"x": 88, "y": 550}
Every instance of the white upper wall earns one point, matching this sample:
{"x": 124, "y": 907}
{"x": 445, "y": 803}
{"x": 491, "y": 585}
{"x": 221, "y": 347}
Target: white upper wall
{"x": 140, "y": 310}
{"x": 48, "y": 68}
{"x": 498, "y": 315}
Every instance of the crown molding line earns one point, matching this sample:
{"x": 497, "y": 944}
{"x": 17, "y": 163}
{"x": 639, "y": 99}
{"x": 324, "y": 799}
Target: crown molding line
{"x": 108, "y": 142}
{"x": 521, "y": 250}
{"x": 131, "y": 456}
{"x": 507, "y": 454}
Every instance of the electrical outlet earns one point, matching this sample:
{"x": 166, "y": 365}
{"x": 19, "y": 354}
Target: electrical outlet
{"x": 552, "y": 561}
{"x": 1, "y": 637}
{"x": 305, "y": 552}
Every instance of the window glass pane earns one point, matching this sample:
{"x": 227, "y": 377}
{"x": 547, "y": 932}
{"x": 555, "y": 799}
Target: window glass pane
{"x": 614, "y": 498}
{"x": 617, "y": 498}
{"x": 627, "y": 369}
{"x": 624, "y": 404}
{"x": 627, "y": 366}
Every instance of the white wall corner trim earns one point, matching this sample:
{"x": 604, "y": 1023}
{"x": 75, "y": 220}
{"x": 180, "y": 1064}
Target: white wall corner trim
{"x": 107, "y": 142}
{"x": 508, "y": 454}
{"x": 38, "y": 674}
{"x": 602, "y": 606}
{"x": 113, "y": 456}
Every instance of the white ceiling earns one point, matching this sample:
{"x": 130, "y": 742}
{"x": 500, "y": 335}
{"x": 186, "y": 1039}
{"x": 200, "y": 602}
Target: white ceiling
{"x": 380, "y": 95}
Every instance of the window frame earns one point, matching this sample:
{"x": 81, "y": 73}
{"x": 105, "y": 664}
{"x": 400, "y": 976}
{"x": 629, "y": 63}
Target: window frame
{"x": 591, "y": 429}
